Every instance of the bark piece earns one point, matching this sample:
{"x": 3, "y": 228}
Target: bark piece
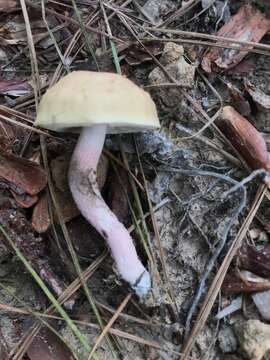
{"x": 234, "y": 284}
{"x": 256, "y": 261}
{"x": 245, "y": 138}
{"x": 22, "y": 173}
{"x": 249, "y": 24}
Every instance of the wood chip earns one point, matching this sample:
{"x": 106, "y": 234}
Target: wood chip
{"x": 249, "y": 24}
{"x": 24, "y": 174}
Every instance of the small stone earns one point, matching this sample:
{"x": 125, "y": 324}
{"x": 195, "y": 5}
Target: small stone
{"x": 173, "y": 60}
{"x": 254, "y": 338}
{"x": 171, "y": 53}
{"x": 227, "y": 340}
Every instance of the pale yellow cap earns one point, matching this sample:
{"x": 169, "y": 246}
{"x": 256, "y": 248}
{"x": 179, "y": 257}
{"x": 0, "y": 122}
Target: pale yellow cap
{"x": 85, "y": 98}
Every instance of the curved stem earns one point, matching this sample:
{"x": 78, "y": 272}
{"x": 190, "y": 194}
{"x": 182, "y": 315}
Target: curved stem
{"x": 85, "y": 191}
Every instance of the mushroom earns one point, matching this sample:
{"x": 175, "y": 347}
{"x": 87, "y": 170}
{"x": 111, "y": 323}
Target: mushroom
{"x": 100, "y": 103}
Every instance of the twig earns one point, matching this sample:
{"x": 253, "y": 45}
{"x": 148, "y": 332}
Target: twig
{"x": 224, "y": 40}
{"x": 158, "y": 240}
{"x": 245, "y": 181}
{"x": 222, "y": 241}
{"x": 216, "y": 284}
{"x": 109, "y": 325}
{"x": 65, "y": 296}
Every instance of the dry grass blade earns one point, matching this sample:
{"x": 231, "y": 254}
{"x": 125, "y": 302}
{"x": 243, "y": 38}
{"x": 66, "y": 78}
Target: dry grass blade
{"x": 73, "y": 327}
{"x": 16, "y": 113}
{"x": 113, "y": 331}
{"x": 43, "y": 10}
{"x": 72, "y": 21}
{"x": 85, "y": 34}
{"x": 217, "y": 282}
{"x": 182, "y": 11}
{"x": 225, "y": 41}
{"x": 192, "y": 42}
{"x": 197, "y": 107}
{"x": 120, "y": 163}
{"x": 70, "y": 247}
{"x": 32, "y": 52}
{"x": 158, "y": 239}
{"x": 28, "y": 127}
{"x": 39, "y": 317}
{"x": 22, "y": 346}
{"x": 109, "y": 325}
{"x": 144, "y": 235}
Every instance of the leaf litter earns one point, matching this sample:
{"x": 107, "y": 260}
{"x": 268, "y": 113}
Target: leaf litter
{"x": 190, "y": 172}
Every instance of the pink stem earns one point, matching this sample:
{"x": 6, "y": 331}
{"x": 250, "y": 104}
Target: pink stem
{"x": 85, "y": 191}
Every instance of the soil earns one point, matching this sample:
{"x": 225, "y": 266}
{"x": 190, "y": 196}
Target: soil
{"x": 190, "y": 214}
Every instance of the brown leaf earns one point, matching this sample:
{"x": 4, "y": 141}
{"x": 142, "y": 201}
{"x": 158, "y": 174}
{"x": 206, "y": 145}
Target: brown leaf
{"x": 22, "y": 173}
{"x": 41, "y": 218}
{"x": 245, "y": 138}
{"x": 10, "y": 134}
{"x": 249, "y": 24}
{"x": 235, "y": 284}
{"x": 47, "y": 346}
{"x": 256, "y": 261}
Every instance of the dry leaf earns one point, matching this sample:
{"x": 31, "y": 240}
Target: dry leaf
{"x": 245, "y": 138}
{"x": 41, "y": 218}
{"x": 256, "y": 261}
{"x": 249, "y": 24}
{"x": 22, "y": 173}
{"x": 233, "y": 283}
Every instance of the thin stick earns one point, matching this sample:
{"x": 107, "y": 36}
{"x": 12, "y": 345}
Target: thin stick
{"x": 217, "y": 282}
{"x": 109, "y": 325}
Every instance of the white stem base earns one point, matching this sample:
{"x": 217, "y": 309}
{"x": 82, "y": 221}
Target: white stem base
{"x": 84, "y": 188}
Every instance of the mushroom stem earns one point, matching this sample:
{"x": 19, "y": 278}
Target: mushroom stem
{"x": 85, "y": 191}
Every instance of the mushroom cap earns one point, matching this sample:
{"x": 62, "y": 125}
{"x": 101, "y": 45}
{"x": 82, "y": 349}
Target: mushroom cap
{"x": 86, "y": 98}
